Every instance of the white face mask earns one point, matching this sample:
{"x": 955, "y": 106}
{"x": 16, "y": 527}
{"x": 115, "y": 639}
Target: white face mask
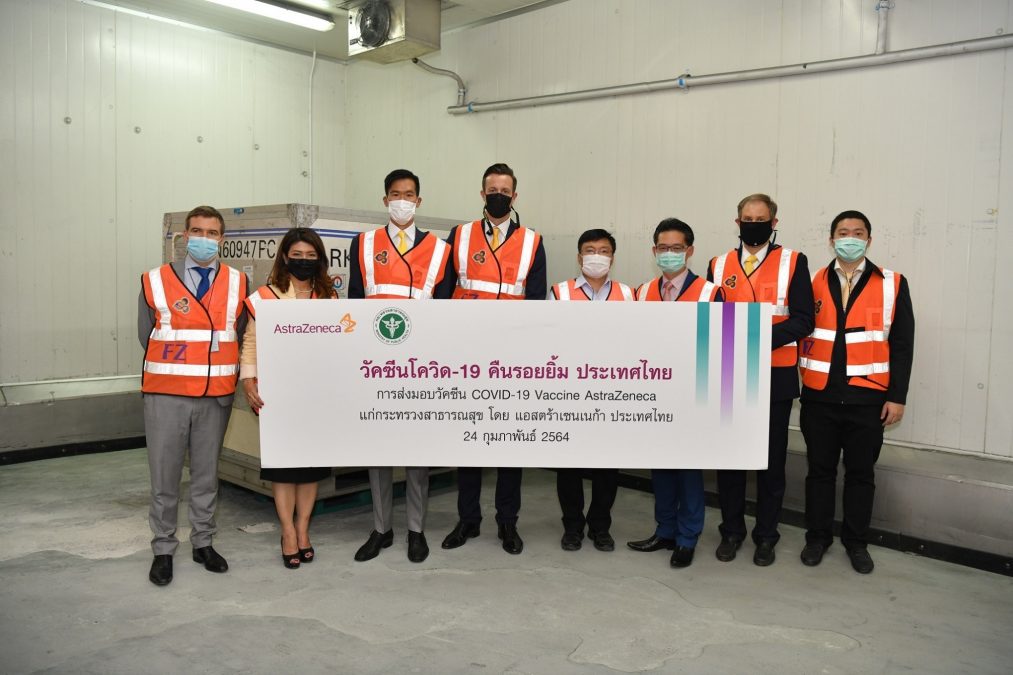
{"x": 401, "y": 210}
{"x": 595, "y": 266}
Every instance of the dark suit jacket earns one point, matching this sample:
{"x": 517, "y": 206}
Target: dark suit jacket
{"x": 902, "y": 338}
{"x": 784, "y": 382}
{"x": 356, "y": 282}
{"x": 146, "y": 316}
{"x": 535, "y": 287}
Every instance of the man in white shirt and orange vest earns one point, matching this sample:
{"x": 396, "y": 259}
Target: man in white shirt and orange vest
{"x": 855, "y": 369}
{"x": 679, "y": 502}
{"x": 398, "y": 261}
{"x": 494, "y": 259}
{"x": 189, "y": 322}
{"x": 761, "y": 271}
{"x": 596, "y": 251}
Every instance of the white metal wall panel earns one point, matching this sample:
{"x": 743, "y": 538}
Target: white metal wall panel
{"x": 919, "y": 147}
{"x": 81, "y": 203}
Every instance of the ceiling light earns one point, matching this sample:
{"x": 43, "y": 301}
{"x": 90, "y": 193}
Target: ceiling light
{"x": 287, "y": 13}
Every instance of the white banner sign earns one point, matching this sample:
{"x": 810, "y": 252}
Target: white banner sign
{"x": 539, "y": 384}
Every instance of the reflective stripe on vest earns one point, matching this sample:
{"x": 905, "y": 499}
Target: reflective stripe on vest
{"x": 649, "y": 291}
{"x": 617, "y": 288}
{"x": 785, "y": 355}
{"x": 373, "y": 289}
{"x": 192, "y": 348}
{"x": 464, "y": 253}
{"x": 861, "y": 344}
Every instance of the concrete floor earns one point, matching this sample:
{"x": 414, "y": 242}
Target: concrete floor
{"x": 75, "y": 598}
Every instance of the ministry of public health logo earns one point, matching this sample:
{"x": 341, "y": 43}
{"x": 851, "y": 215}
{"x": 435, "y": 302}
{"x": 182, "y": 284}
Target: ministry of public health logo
{"x": 392, "y": 326}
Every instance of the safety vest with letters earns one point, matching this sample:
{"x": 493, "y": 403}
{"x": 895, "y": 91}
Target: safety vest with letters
{"x": 866, "y": 332}
{"x": 567, "y": 290}
{"x": 486, "y": 275}
{"x": 389, "y": 274}
{"x": 768, "y": 283}
{"x": 193, "y": 349}
{"x": 700, "y": 290}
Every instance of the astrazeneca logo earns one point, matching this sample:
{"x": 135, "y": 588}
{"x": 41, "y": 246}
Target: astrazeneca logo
{"x": 392, "y": 326}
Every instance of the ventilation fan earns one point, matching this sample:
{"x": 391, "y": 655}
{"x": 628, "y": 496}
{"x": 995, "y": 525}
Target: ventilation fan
{"x": 393, "y": 30}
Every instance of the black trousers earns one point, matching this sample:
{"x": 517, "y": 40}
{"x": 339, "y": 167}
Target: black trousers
{"x": 570, "y": 489}
{"x": 508, "y": 494}
{"x": 769, "y": 485}
{"x": 829, "y": 429}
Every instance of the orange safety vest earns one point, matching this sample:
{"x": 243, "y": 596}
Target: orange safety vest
{"x": 483, "y": 274}
{"x": 193, "y": 349}
{"x": 388, "y": 274}
{"x": 768, "y": 283}
{"x": 261, "y": 294}
{"x": 567, "y": 290}
{"x": 700, "y": 290}
{"x": 866, "y": 333}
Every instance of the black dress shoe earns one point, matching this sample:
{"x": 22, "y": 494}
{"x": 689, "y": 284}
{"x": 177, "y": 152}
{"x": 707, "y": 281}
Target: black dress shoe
{"x": 161, "y": 570}
{"x": 461, "y": 533}
{"x": 812, "y": 554}
{"x": 418, "y": 549}
{"x": 764, "y": 554}
{"x": 603, "y": 541}
{"x": 372, "y": 547}
{"x": 652, "y": 543}
{"x": 861, "y": 561}
{"x": 210, "y": 558}
{"x": 512, "y": 543}
{"x": 682, "y": 556}
{"x": 727, "y": 549}
{"x": 571, "y": 541}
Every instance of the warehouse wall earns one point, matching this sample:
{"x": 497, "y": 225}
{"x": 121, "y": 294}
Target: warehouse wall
{"x": 100, "y": 118}
{"x": 923, "y": 148}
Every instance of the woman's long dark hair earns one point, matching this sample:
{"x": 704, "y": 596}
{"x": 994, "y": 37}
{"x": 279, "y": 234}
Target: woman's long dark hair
{"x": 322, "y": 286}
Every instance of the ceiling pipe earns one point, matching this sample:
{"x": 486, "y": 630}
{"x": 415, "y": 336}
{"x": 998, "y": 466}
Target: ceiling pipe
{"x": 883, "y": 12}
{"x": 462, "y": 91}
{"x": 687, "y": 81}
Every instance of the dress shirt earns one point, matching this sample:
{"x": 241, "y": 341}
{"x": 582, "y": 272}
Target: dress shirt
{"x": 503, "y": 227}
{"x": 192, "y": 276}
{"x": 760, "y": 255}
{"x": 582, "y": 285}
{"x": 855, "y": 275}
{"x": 678, "y": 281}
{"x": 409, "y": 233}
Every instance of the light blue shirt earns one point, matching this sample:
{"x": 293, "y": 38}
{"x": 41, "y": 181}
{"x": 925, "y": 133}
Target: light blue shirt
{"x": 191, "y": 277}
{"x": 582, "y": 285}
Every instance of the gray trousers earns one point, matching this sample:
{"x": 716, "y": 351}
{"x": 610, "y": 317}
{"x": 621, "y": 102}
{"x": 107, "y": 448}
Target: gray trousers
{"x": 172, "y": 424}
{"x": 381, "y": 484}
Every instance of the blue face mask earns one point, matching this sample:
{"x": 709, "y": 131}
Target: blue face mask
{"x": 850, "y": 249}
{"x": 202, "y": 249}
{"x": 670, "y": 261}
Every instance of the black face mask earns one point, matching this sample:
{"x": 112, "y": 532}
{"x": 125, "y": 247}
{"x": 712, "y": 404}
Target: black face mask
{"x": 756, "y": 233}
{"x": 302, "y": 268}
{"x": 497, "y": 205}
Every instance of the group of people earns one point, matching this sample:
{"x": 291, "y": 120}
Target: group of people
{"x": 847, "y": 333}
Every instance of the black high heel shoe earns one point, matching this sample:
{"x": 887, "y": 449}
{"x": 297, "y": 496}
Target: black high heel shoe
{"x": 291, "y": 560}
{"x": 307, "y": 555}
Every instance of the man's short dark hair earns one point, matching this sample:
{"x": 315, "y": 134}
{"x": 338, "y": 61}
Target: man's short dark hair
{"x": 844, "y": 215}
{"x": 674, "y": 224}
{"x": 205, "y": 212}
{"x": 596, "y": 235}
{"x": 401, "y": 174}
{"x": 499, "y": 169}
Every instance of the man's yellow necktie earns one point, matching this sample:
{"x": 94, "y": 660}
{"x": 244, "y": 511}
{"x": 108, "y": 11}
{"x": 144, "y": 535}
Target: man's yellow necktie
{"x": 495, "y": 238}
{"x": 750, "y": 264}
{"x": 402, "y": 245}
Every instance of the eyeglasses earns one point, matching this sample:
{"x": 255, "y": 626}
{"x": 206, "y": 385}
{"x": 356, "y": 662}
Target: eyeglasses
{"x": 671, "y": 249}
